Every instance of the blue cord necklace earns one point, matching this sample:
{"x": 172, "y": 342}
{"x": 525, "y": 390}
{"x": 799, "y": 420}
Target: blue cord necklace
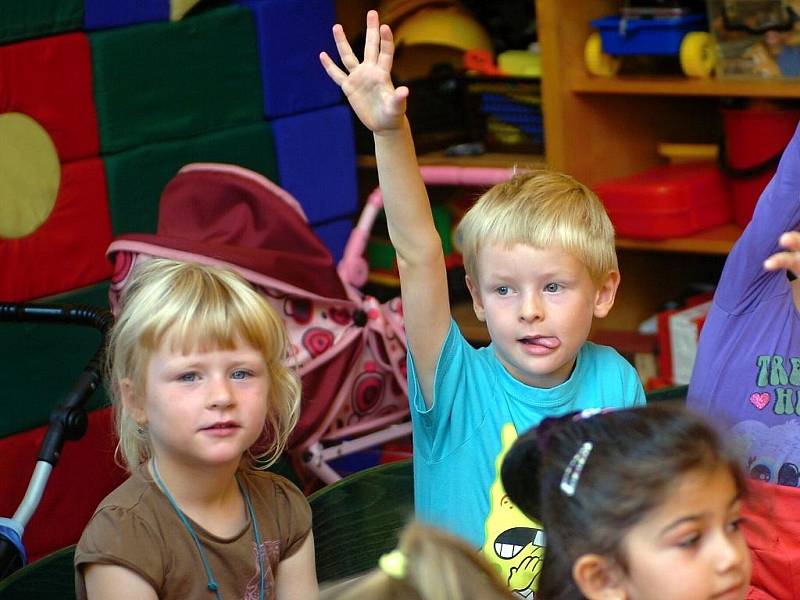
{"x": 212, "y": 582}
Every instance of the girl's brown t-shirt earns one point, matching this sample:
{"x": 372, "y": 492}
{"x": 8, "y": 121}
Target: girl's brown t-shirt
{"x": 136, "y": 527}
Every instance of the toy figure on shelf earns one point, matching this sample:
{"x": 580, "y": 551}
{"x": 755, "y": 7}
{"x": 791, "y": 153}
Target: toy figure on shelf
{"x": 757, "y": 38}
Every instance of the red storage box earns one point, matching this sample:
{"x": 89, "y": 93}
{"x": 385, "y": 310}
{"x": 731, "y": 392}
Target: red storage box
{"x": 667, "y": 201}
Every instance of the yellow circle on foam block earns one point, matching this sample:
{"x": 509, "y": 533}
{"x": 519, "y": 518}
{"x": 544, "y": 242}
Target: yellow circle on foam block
{"x": 30, "y": 173}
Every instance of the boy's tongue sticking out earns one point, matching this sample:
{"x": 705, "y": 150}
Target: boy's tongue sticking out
{"x": 548, "y": 342}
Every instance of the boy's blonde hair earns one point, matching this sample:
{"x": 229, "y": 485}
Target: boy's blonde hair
{"x": 543, "y": 209}
{"x": 191, "y": 306}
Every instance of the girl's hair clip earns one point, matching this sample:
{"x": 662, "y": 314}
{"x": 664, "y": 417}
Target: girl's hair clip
{"x": 572, "y": 474}
{"x": 588, "y": 413}
{"x": 393, "y": 564}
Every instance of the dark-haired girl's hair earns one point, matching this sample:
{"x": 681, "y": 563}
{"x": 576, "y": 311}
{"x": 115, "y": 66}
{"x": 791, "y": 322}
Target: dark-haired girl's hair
{"x": 636, "y": 455}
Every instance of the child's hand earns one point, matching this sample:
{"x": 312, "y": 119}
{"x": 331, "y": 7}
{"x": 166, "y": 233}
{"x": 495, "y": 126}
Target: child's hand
{"x": 790, "y": 259}
{"x": 368, "y": 86}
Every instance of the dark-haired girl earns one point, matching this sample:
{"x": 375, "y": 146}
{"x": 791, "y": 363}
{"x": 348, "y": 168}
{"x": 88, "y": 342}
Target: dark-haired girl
{"x": 636, "y": 504}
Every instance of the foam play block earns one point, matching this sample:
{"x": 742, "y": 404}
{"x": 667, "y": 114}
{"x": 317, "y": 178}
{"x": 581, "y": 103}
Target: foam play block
{"x": 317, "y": 162}
{"x": 50, "y": 80}
{"x": 84, "y": 475}
{"x": 101, "y": 14}
{"x": 137, "y": 177}
{"x": 22, "y": 19}
{"x": 334, "y": 235}
{"x": 291, "y": 34}
{"x": 167, "y": 81}
{"x": 56, "y": 352}
{"x": 67, "y": 251}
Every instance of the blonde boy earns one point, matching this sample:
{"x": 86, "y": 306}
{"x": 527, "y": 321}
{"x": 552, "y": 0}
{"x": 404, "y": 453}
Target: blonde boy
{"x": 540, "y": 263}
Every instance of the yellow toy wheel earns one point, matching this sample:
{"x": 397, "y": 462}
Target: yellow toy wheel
{"x": 598, "y": 62}
{"x": 697, "y": 54}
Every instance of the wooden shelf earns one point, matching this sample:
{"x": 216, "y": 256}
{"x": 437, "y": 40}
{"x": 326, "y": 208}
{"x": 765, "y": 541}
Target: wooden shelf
{"x": 717, "y": 241}
{"x": 489, "y": 159}
{"x": 583, "y": 83}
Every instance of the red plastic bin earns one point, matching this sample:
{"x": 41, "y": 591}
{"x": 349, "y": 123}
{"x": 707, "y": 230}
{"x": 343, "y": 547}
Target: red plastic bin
{"x": 754, "y": 141}
{"x": 667, "y": 201}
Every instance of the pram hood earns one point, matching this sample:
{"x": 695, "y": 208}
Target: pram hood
{"x": 235, "y": 216}
{"x": 349, "y": 349}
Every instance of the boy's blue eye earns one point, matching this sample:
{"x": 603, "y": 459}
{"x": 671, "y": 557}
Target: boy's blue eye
{"x": 502, "y": 290}
{"x": 191, "y": 376}
{"x": 552, "y": 288}
{"x": 240, "y": 374}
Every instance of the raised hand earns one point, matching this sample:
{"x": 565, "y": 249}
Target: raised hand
{"x": 368, "y": 84}
{"x": 790, "y": 259}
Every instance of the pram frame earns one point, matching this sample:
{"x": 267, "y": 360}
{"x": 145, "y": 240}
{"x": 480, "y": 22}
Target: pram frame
{"x": 68, "y": 421}
{"x": 353, "y": 270}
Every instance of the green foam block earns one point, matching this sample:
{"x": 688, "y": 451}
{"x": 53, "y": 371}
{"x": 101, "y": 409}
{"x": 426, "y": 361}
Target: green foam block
{"x": 136, "y": 178}
{"x": 173, "y": 80}
{"x": 22, "y": 19}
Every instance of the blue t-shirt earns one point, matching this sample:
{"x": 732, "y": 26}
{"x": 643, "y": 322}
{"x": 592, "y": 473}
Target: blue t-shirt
{"x": 478, "y": 410}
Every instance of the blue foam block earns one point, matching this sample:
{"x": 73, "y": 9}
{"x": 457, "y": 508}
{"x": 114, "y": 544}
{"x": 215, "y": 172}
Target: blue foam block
{"x": 291, "y": 34}
{"x": 100, "y": 14}
{"x": 335, "y": 235}
{"x": 317, "y": 162}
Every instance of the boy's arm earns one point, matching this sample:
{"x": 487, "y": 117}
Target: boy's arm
{"x": 381, "y": 107}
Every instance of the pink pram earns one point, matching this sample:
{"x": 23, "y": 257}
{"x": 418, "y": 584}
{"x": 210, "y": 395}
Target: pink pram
{"x": 348, "y": 348}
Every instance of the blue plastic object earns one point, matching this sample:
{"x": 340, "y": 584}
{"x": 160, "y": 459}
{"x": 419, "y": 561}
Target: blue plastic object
{"x": 316, "y": 159}
{"x": 657, "y": 36}
{"x": 101, "y": 14}
{"x": 291, "y": 34}
{"x": 9, "y": 532}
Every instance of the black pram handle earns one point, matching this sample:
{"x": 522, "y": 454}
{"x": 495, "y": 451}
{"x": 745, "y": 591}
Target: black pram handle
{"x": 68, "y": 420}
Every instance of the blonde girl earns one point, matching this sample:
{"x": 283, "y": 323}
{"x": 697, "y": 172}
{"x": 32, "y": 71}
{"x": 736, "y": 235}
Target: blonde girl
{"x": 203, "y": 403}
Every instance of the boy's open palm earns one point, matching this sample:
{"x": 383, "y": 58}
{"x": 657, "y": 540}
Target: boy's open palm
{"x": 368, "y": 84}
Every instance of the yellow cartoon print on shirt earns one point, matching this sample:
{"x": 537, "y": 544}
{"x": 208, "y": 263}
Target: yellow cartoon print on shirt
{"x": 514, "y": 544}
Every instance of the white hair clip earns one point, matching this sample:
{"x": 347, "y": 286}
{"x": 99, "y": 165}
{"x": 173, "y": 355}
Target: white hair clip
{"x": 572, "y": 474}
{"x": 587, "y": 413}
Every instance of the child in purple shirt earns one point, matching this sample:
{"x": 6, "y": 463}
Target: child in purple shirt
{"x": 746, "y": 377}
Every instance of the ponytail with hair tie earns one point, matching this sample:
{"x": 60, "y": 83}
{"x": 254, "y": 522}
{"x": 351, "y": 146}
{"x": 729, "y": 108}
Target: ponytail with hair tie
{"x": 393, "y": 564}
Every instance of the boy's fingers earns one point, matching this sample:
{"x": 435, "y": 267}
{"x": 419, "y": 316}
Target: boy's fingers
{"x": 331, "y": 69}
{"x": 386, "y": 55}
{"x": 349, "y": 60}
{"x": 372, "y": 42}
{"x": 399, "y": 98}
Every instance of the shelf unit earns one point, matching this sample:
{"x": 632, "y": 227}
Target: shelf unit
{"x": 489, "y": 159}
{"x": 598, "y": 128}
{"x": 583, "y": 83}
